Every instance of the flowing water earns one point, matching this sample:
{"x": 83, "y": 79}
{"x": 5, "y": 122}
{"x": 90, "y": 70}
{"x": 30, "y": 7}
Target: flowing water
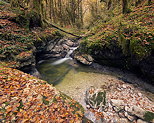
{"x": 67, "y": 57}
{"x": 74, "y": 79}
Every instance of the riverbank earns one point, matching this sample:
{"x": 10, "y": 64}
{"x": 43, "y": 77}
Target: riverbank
{"x": 25, "y": 98}
{"x": 125, "y": 41}
{"x": 123, "y": 95}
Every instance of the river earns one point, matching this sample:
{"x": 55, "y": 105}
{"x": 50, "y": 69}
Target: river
{"x": 74, "y": 79}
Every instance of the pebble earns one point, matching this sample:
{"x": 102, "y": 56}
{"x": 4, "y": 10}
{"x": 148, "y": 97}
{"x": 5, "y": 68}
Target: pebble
{"x": 140, "y": 94}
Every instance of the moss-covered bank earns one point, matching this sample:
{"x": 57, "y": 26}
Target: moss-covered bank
{"x": 125, "y": 41}
{"x": 21, "y": 36}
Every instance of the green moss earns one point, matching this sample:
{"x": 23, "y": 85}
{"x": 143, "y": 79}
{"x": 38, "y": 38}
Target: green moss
{"x": 46, "y": 102}
{"x": 141, "y": 44}
{"x": 149, "y": 116}
{"x": 75, "y": 105}
{"x": 16, "y": 37}
{"x": 21, "y": 105}
{"x": 122, "y": 43}
{"x": 2, "y": 3}
{"x": 57, "y": 33}
{"x": 101, "y": 97}
{"x": 64, "y": 96}
{"x": 86, "y": 120}
{"x": 28, "y": 20}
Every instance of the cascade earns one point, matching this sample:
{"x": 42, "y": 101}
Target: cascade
{"x": 67, "y": 57}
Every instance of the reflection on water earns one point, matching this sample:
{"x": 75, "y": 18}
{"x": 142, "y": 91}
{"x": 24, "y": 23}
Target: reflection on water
{"x": 53, "y": 71}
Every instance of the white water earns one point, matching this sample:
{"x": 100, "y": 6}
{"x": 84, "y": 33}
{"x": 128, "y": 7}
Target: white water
{"x": 60, "y": 61}
{"x": 67, "y": 57}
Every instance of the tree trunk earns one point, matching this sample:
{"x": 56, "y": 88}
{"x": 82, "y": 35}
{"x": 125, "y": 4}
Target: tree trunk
{"x": 124, "y": 6}
{"x": 149, "y": 2}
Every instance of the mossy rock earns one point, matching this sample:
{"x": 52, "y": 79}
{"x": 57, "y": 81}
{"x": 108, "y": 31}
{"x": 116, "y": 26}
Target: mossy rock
{"x": 75, "y": 105}
{"x": 149, "y": 116}
{"x": 96, "y": 99}
{"x": 28, "y": 19}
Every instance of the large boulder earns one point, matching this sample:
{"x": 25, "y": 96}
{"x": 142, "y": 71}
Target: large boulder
{"x": 83, "y": 58}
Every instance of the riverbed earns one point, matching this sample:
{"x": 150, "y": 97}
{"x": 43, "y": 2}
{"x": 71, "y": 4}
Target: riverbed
{"x": 74, "y": 79}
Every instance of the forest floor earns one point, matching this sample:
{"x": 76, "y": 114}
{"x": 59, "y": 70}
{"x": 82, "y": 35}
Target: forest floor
{"x": 27, "y": 99}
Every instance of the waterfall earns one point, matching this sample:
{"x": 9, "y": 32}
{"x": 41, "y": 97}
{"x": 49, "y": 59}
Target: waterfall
{"x": 67, "y": 57}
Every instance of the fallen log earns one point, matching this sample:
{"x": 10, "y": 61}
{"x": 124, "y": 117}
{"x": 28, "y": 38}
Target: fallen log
{"x": 50, "y": 24}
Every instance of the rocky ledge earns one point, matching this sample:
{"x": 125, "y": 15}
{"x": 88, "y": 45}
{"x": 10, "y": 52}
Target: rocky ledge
{"x": 55, "y": 48}
{"x": 112, "y": 55}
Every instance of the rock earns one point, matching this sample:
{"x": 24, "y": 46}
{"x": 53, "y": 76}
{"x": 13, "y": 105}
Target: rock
{"x": 147, "y": 67}
{"x": 84, "y": 58}
{"x": 99, "y": 120}
{"x": 130, "y": 117}
{"x": 118, "y": 103}
{"x": 66, "y": 47}
{"x": 112, "y": 55}
{"x": 129, "y": 112}
{"x": 90, "y": 115}
{"x": 50, "y": 46}
{"x": 69, "y": 43}
{"x": 57, "y": 49}
{"x": 141, "y": 121}
{"x": 96, "y": 99}
{"x": 122, "y": 120}
{"x": 135, "y": 110}
{"x": 35, "y": 72}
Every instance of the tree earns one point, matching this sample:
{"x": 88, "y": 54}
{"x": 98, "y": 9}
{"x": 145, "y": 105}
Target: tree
{"x": 124, "y": 6}
{"x": 149, "y": 2}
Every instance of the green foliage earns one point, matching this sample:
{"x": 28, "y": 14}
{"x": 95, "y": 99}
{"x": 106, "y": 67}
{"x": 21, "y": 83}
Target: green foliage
{"x": 16, "y": 37}
{"x": 149, "y": 116}
{"x": 57, "y": 34}
{"x": 122, "y": 43}
{"x": 88, "y": 46}
{"x": 14, "y": 44}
